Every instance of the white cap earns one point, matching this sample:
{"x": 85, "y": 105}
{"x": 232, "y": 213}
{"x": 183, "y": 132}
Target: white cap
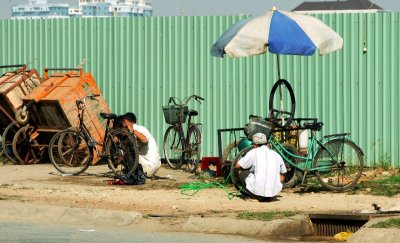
{"x": 259, "y": 138}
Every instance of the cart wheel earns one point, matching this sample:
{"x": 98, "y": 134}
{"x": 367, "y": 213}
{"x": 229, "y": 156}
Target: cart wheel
{"x": 22, "y": 116}
{"x": 6, "y": 142}
{"x": 25, "y": 147}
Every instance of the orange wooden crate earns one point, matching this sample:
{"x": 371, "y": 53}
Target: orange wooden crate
{"x": 52, "y": 105}
{"x": 15, "y": 85}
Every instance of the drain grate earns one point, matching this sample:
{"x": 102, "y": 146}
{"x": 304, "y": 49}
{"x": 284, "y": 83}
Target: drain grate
{"x": 331, "y": 224}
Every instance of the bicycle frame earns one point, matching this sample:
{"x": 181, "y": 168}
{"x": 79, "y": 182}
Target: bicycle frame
{"x": 182, "y": 134}
{"x": 92, "y": 142}
{"x": 306, "y": 163}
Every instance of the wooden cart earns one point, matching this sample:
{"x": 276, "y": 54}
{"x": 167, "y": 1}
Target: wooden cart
{"x": 51, "y": 108}
{"x": 14, "y": 85}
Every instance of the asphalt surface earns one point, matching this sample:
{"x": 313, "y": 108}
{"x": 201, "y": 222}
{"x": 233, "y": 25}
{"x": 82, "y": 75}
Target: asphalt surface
{"x": 18, "y": 231}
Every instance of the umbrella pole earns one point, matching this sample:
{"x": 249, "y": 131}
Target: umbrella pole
{"x": 279, "y": 67}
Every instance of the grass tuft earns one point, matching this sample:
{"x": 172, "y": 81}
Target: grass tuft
{"x": 384, "y": 162}
{"x": 8, "y": 197}
{"x": 6, "y": 185}
{"x": 265, "y": 216}
{"x": 383, "y": 187}
{"x": 390, "y": 223}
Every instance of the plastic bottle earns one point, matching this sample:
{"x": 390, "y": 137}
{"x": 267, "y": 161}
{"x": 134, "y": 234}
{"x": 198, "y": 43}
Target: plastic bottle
{"x": 303, "y": 141}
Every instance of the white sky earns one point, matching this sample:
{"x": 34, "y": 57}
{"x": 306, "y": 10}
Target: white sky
{"x": 208, "y": 7}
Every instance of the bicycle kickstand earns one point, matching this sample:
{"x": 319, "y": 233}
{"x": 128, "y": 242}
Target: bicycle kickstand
{"x": 304, "y": 180}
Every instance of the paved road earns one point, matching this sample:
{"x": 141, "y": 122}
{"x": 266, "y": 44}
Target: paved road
{"x": 19, "y": 231}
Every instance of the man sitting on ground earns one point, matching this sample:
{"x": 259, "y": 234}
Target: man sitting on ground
{"x": 149, "y": 156}
{"x": 262, "y": 170}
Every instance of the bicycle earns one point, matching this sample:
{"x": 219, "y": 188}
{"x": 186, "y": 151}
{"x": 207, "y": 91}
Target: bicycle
{"x": 178, "y": 147}
{"x": 336, "y": 161}
{"x": 282, "y": 106}
{"x": 71, "y": 151}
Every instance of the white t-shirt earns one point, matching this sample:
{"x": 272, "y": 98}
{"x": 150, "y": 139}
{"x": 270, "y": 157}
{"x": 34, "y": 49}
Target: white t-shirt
{"x": 265, "y": 166}
{"x": 149, "y": 157}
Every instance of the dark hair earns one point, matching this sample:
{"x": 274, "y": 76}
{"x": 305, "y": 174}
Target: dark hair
{"x": 118, "y": 122}
{"x": 130, "y": 117}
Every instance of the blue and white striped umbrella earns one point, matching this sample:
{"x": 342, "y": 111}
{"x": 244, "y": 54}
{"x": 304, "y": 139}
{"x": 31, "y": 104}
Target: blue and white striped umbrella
{"x": 281, "y": 32}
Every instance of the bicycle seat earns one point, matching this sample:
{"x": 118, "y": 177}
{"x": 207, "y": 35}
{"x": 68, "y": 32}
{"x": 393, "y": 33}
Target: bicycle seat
{"x": 190, "y": 112}
{"x": 108, "y": 115}
{"x": 316, "y": 126}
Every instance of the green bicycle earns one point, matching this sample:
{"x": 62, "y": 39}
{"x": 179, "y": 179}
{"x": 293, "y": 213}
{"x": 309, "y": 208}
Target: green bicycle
{"x": 336, "y": 161}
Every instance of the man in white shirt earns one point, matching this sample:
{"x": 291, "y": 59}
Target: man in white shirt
{"x": 262, "y": 170}
{"x": 149, "y": 156}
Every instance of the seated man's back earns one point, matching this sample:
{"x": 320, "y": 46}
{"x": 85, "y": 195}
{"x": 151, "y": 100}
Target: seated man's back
{"x": 265, "y": 168}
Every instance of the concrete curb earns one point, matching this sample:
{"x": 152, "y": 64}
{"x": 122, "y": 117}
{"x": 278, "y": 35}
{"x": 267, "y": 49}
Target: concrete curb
{"x": 53, "y": 214}
{"x": 375, "y": 235}
{"x": 299, "y": 225}
{"x": 100, "y": 217}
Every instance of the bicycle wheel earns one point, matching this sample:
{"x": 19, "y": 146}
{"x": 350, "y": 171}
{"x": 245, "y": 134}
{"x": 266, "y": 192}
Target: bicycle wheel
{"x": 173, "y": 148}
{"x": 69, "y": 152}
{"x": 340, "y": 164}
{"x": 194, "y": 149}
{"x": 282, "y": 103}
{"x": 235, "y": 173}
{"x": 121, "y": 152}
{"x": 6, "y": 142}
{"x": 230, "y": 152}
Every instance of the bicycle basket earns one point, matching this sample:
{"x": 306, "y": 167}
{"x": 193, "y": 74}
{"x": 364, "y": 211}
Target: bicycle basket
{"x": 258, "y": 125}
{"x": 171, "y": 113}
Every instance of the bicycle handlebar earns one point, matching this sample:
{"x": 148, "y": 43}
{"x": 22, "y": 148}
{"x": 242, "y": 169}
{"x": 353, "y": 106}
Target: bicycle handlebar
{"x": 81, "y": 102}
{"x": 185, "y": 101}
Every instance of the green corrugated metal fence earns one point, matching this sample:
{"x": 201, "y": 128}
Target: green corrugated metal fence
{"x": 140, "y": 62}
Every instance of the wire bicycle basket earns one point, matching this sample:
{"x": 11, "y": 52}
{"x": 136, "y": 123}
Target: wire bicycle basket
{"x": 171, "y": 113}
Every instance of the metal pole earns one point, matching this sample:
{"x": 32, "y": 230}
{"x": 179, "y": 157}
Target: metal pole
{"x": 279, "y": 67}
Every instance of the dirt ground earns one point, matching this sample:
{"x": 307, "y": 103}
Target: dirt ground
{"x": 161, "y": 197}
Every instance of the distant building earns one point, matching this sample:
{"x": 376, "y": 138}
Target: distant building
{"x": 106, "y": 8}
{"x": 75, "y": 12}
{"x": 41, "y": 9}
{"x": 338, "y": 6}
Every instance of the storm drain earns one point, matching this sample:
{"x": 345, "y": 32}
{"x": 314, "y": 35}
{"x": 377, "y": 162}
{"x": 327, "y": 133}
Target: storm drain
{"x": 331, "y": 224}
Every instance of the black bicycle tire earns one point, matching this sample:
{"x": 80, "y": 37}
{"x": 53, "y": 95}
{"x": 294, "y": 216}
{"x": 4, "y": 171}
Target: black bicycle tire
{"x": 292, "y": 98}
{"x": 53, "y": 159}
{"x": 359, "y": 154}
{"x": 3, "y": 142}
{"x": 133, "y": 146}
{"x": 235, "y": 180}
{"x": 174, "y": 166}
{"x": 291, "y": 174}
{"x": 192, "y": 167}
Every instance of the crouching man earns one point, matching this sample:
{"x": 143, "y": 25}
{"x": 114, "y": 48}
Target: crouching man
{"x": 149, "y": 156}
{"x": 262, "y": 170}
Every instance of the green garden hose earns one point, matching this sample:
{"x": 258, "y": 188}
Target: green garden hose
{"x": 190, "y": 189}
